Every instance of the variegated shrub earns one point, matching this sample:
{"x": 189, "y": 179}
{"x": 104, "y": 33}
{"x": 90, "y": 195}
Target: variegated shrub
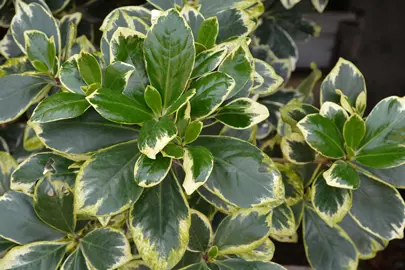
{"x": 138, "y": 146}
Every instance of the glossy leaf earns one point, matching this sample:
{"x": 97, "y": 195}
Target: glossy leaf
{"x": 75, "y": 261}
{"x": 216, "y": 201}
{"x": 294, "y": 189}
{"x": 153, "y": 99}
{"x": 173, "y": 151}
{"x": 7, "y": 166}
{"x": 208, "y": 32}
{"x": 236, "y": 264}
{"x": 240, "y": 20}
{"x": 62, "y": 105}
{"x": 201, "y": 235}
{"x": 263, "y": 253}
{"x": 335, "y": 113}
{"x": 180, "y": 102}
{"x": 296, "y": 150}
{"x": 70, "y": 77}
{"x": 294, "y": 112}
{"x": 354, "y": 131}
{"x": 166, "y": 4}
{"x": 169, "y": 67}
{"x": 208, "y": 61}
{"x": 89, "y": 68}
{"x": 41, "y": 51}
{"x": 271, "y": 81}
{"x": 342, "y": 175}
{"x": 282, "y": 221}
{"x": 116, "y": 76}
{"x": 160, "y": 223}
{"x": 105, "y": 184}
{"x": 193, "y": 17}
{"x": 193, "y": 131}
{"x": 150, "y": 172}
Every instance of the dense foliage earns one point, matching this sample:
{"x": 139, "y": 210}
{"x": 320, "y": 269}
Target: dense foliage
{"x": 178, "y": 145}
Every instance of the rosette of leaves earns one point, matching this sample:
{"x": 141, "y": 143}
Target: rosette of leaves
{"x": 128, "y": 180}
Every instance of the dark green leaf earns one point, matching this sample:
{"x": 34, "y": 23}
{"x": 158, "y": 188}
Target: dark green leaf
{"x": 342, "y": 175}
{"x": 201, "y": 234}
{"x": 216, "y": 201}
{"x": 236, "y": 264}
{"x": 7, "y": 166}
{"x": 180, "y": 102}
{"x": 296, "y": 150}
{"x": 75, "y": 261}
{"x": 166, "y": 4}
{"x": 193, "y": 131}
{"x": 198, "y": 164}
{"x": 271, "y": 81}
{"x": 294, "y": 189}
{"x": 208, "y": 32}
{"x": 193, "y": 17}
{"x": 70, "y": 77}
{"x": 335, "y": 113}
{"x": 208, "y": 61}
{"x": 233, "y": 22}
{"x": 150, "y": 172}
{"x": 40, "y": 50}
{"x": 282, "y": 221}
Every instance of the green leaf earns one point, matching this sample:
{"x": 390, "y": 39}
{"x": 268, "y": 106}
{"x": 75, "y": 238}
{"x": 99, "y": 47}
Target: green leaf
{"x": 242, "y": 113}
{"x": 62, "y": 105}
{"x": 330, "y": 203}
{"x": 392, "y": 176}
{"x": 346, "y": 78}
{"x": 31, "y": 141}
{"x": 211, "y": 91}
{"x": 335, "y": 113}
{"x": 236, "y": 264}
{"x": 242, "y": 174}
{"x": 70, "y": 77}
{"x": 282, "y": 221}
{"x": 375, "y": 199}
{"x": 119, "y": 108}
{"x": 105, "y": 184}
{"x": 241, "y": 232}
{"x": 116, "y": 76}
{"x": 271, "y": 81}
{"x": 234, "y": 22}
{"x": 201, "y": 235}
{"x": 89, "y": 68}
{"x": 198, "y": 164}
{"x": 106, "y": 248}
{"x": 32, "y": 169}
{"x": 366, "y": 243}
{"x": 7, "y": 166}
{"x": 160, "y": 222}
{"x": 40, "y": 255}
{"x": 193, "y": 131}
{"x": 169, "y": 66}
{"x": 173, "y": 151}
{"x": 293, "y": 112}
{"x": 41, "y": 51}
{"x": 155, "y": 135}
{"x": 382, "y": 145}
{"x": 208, "y": 61}
{"x": 296, "y": 150}
{"x": 180, "y": 102}
{"x": 53, "y": 203}
{"x": 153, "y": 99}
{"x": 33, "y": 17}
{"x": 83, "y": 135}
{"x": 75, "y": 261}
{"x": 19, "y": 221}
{"x": 150, "y": 172}
{"x": 237, "y": 66}
{"x": 320, "y": 5}
{"x": 318, "y": 237}
{"x": 322, "y": 135}
{"x": 208, "y": 32}
{"x": 5, "y": 245}
{"x": 8, "y": 47}
{"x": 89, "y": 89}
{"x": 263, "y": 253}
{"x": 68, "y": 31}
{"x": 18, "y": 93}
{"x": 193, "y": 17}
{"x": 294, "y": 189}
{"x": 289, "y": 3}
{"x": 342, "y": 175}
{"x": 166, "y": 4}
{"x": 216, "y": 201}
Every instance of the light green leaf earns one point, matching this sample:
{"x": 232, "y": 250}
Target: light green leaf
{"x": 330, "y": 203}
{"x": 7, "y": 166}
{"x": 153, "y": 99}
{"x": 89, "y": 68}
{"x": 322, "y": 135}
{"x": 296, "y": 150}
{"x": 335, "y": 113}
{"x": 62, "y": 105}
{"x": 193, "y": 131}
{"x": 208, "y": 61}
{"x": 18, "y": 92}
{"x": 31, "y": 141}
{"x": 39, "y": 255}
{"x": 173, "y": 151}
{"x": 271, "y": 81}
{"x": 376, "y": 199}
{"x": 105, "y": 184}
{"x": 41, "y": 50}
{"x": 116, "y": 76}
{"x": 198, "y": 164}
{"x": 263, "y": 253}
{"x": 170, "y": 71}
{"x": 119, "y": 108}
{"x": 342, "y": 175}
{"x": 282, "y": 221}
{"x": 193, "y": 17}
{"x": 75, "y": 261}
{"x": 346, "y": 78}
{"x": 242, "y": 174}
{"x": 208, "y": 32}
{"x": 155, "y": 135}
{"x": 19, "y": 222}
{"x": 89, "y": 89}
{"x": 242, "y": 113}
{"x": 382, "y": 145}
{"x": 70, "y": 77}
{"x": 201, "y": 235}
{"x": 180, "y": 102}
{"x": 106, "y": 248}
{"x": 150, "y": 172}
{"x": 160, "y": 223}
{"x": 318, "y": 237}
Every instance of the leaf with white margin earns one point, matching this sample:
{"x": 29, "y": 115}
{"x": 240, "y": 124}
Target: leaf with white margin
{"x": 335, "y": 113}
{"x": 392, "y": 176}
{"x": 41, "y": 50}
{"x": 89, "y": 68}
{"x": 217, "y": 202}
{"x": 201, "y": 235}
{"x": 34, "y": 17}
{"x": 19, "y": 223}
{"x": 68, "y": 31}
{"x": 160, "y": 223}
{"x": 263, "y": 253}
{"x": 106, "y": 248}
{"x": 235, "y": 264}
{"x": 169, "y": 67}
{"x": 38, "y": 255}
{"x": 7, "y": 166}
{"x": 150, "y": 172}
{"x": 294, "y": 188}
{"x": 75, "y": 261}
{"x": 242, "y": 113}
{"x": 234, "y": 22}
{"x": 296, "y": 150}
{"x": 344, "y": 77}
{"x": 8, "y": 47}
{"x": 207, "y": 61}
{"x": 322, "y": 135}
{"x": 116, "y": 76}
{"x": 70, "y": 77}
{"x": 289, "y": 3}
{"x": 342, "y": 175}
{"x": 271, "y": 80}
{"x": 330, "y": 203}
{"x": 133, "y": 11}
{"x": 366, "y": 243}
{"x": 166, "y": 4}
{"x": 193, "y": 17}
{"x": 376, "y": 199}
{"x": 282, "y": 221}
{"x": 155, "y": 135}
{"x": 354, "y": 131}
{"x": 198, "y": 163}
{"x": 181, "y": 101}
{"x": 320, "y": 5}
{"x": 382, "y": 145}
{"x": 105, "y": 184}
{"x": 18, "y": 93}
{"x": 318, "y": 237}
{"x": 208, "y": 32}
